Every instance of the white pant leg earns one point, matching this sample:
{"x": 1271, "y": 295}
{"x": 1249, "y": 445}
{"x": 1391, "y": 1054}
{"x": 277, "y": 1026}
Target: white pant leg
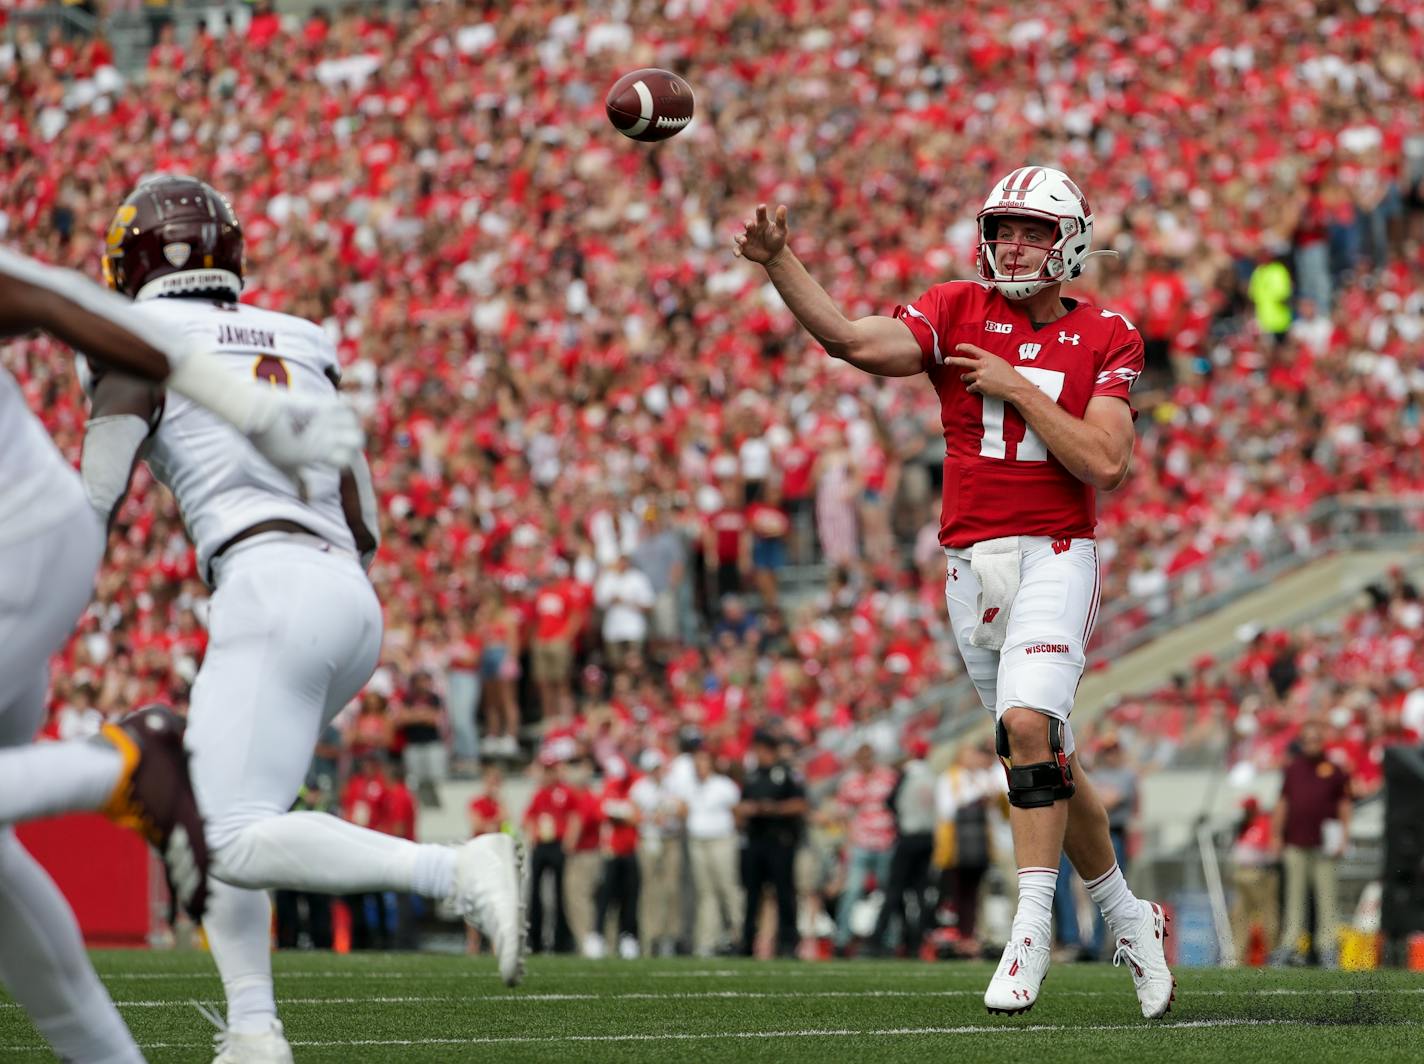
{"x": 45, "y": 583}
{"x": 1045, "y": 646}
{"x": 961, "y": 596}
{"x": 294, "y": 633}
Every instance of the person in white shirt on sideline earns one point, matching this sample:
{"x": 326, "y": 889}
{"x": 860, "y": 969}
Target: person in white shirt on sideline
{"x": 712, "y": 850}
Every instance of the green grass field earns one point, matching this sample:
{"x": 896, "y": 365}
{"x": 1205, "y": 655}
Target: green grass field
{"x": 423, "y": 1008}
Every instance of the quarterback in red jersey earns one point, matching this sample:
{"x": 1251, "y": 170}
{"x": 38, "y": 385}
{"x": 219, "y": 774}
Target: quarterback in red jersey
{"x": 1033, "y": 391}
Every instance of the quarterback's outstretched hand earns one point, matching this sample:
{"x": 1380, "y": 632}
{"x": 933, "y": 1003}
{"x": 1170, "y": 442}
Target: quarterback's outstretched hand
{"x": 764, "y": 238}
{"x": 294, "y": 431}
{"x": 987, "y": 373}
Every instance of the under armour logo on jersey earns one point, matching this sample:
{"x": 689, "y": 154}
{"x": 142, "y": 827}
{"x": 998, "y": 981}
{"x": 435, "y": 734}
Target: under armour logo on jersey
{"x": 954, "y": 573}
{"x": 1029, "y": 351}
{"x": 998, "y": 327}
{"x": 1064, "y": 338}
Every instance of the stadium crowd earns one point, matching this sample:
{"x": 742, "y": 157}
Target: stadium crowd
{"x": 600, "y": 442}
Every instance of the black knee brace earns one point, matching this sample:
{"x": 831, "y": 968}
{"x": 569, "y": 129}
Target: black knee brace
{"x": 1043, "y": 783}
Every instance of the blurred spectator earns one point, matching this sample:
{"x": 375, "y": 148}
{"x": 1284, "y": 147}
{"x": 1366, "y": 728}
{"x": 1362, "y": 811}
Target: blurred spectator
{"x": 1310, "y": 826}
{"x": 462, "y": 683}
{"x": 1256, "y": 883}
{"x": 560, "y": 609}
{"x": 368, "y": 801}
{"x": 303, "y": 920}
{"x": 1116, "y": 784}
{"x": 772, "y": 813}
{"x": 546, "y": 825}
{"x": 371, "y": 731}
{"x": 727, "y": 548}
{"x": 1271, "y": 290}
{"x": 963, "y": 796}
{"x": 621, "y": 881}
{"x": 422, "y": 746}
{"x": 711, "y": 799}
{"x": 497, "y": 626}
{"x": 913, "y": 804}
{"x": 864, "y": 799}
{"x": 770, "y": 529}
{"x": 660, "y": 846}
{"x": 625, "y": 595}
{"x": 661, "y": 555}
{"x": 583, "y": 861}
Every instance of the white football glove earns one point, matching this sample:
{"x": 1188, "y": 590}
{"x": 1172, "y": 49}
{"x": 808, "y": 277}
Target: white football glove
{"x": 293, "y": 431}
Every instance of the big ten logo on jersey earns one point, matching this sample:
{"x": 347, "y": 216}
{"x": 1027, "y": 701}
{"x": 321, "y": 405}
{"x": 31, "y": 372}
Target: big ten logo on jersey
{"x": 273, "y": 370}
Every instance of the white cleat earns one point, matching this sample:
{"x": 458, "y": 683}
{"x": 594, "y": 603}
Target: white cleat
{"x": 1143, "y": 951}
{"x": 489, "y": 876}
{"x": 269, "y": 1047}
{"x": 1020, "y": 974}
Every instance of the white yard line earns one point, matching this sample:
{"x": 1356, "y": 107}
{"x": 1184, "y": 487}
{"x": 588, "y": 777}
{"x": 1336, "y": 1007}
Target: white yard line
{"x": 515, "y": 998}
{"x": 886, "y": 1032}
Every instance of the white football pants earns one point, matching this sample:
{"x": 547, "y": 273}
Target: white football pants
{"x": 294, "y": 633}
{"x": 1050, "y": 623}
{"x": 45, "y": 583}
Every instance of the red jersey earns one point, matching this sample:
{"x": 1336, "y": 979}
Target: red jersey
{"x": 556, "y": 610}
{"x": 999, "y": 478}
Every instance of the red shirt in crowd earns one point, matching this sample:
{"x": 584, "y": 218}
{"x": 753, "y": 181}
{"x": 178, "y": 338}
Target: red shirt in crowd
{"x": 728, "y": 525}
{"x": 398, "y": 811}
{"x": 556, "y": 610}
{"x": 864, "y": 796}
{"x": 486, "y": 814}
{"x": 999, "y": 477}
{"x": 547, "y": 815}
{"x": 589, "y": 807}
{"x": 621, "y": 834}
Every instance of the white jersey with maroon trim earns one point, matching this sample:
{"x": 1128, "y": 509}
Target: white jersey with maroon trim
{"x": 999, "y": 477}
{"x": 222, "y": 484}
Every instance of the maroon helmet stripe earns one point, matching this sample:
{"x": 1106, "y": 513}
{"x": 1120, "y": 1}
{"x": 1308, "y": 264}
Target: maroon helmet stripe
{"x": 1029, "y": 178}
{"x": 1009, "y": 181}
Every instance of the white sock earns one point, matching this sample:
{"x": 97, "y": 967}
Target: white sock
{"x": 45, "y": 779}
{"x": 1034, "y": 919}
{"x": 43, "y": 964}
{"x": 238, "y": 926}
{"x": 317, "y": 852}
{"x": 1118, "y": 905}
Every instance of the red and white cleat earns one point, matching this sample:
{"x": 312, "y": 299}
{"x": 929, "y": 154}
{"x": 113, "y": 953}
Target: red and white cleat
{"x": 1143, "y": 951}
{"x": 1015, "y": 985}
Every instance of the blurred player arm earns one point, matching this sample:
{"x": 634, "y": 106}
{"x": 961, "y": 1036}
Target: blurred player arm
{"x": 875, "y": 344}
{"x": 123, "y": 413}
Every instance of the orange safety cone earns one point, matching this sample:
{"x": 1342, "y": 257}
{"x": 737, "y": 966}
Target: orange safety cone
{"x": 1256, "y": 947}
{"x": 1416, "y": 952}
{"x": 340, "y": 927}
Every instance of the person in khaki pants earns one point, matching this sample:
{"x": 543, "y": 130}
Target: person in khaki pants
{"x": 659, "y": 856}
{"x": 583, "y": 862}
{"x": 1315, "y": 791}
{"x": 1255, "y": 881}
{"x": 712, "y": 850}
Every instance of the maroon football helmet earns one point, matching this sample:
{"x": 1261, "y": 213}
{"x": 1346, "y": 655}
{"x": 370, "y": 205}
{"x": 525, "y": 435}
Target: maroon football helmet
{"x": 174, "y": 236}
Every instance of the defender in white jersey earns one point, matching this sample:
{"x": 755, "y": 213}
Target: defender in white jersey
{"x": 295, "y": 627}
{"x": 50, "y": 547}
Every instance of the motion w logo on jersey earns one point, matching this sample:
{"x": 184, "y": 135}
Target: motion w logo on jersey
{"x": 1029, "y": 351}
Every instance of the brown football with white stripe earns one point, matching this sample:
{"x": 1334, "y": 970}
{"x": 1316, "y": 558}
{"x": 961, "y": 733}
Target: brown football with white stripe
{"x": 649, "y": 104}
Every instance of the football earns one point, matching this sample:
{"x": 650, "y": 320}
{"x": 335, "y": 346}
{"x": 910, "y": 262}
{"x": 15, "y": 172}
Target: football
{"x": 649, "y": 104}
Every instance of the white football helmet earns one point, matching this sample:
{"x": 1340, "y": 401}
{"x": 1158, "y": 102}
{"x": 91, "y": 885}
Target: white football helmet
{"x": 1036, "y": 192}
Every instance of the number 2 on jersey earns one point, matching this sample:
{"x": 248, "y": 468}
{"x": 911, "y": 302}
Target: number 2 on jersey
{"x": 273, "y": 370}
{"x": 1031, "y": 448}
